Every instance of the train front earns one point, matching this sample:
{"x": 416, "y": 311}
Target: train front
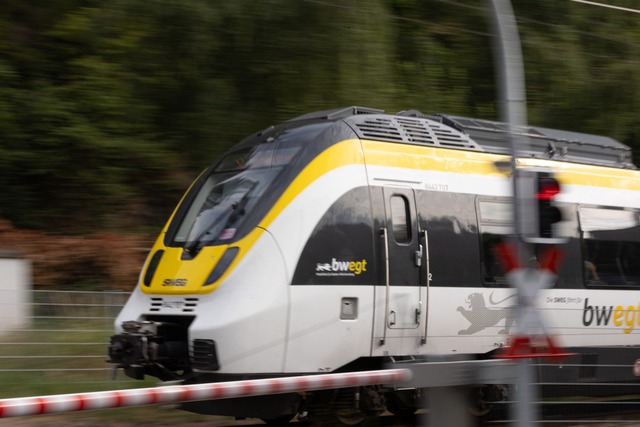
{"x": 212, "y": 299}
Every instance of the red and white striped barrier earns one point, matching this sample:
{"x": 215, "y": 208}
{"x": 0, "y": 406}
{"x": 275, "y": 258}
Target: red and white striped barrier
{"x": 24, "y": 406}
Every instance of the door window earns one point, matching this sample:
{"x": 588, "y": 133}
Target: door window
{"x": 495, "y": 220}
{"x": 400, "y": 219}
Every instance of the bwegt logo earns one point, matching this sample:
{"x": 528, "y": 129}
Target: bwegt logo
{"x": 342, "y": 268}
{"x": 603, "y": 315}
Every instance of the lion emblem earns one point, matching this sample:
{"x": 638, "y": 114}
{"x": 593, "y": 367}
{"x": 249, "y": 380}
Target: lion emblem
{"x": 480, "y": 316}
{"x": 323, "y": 267}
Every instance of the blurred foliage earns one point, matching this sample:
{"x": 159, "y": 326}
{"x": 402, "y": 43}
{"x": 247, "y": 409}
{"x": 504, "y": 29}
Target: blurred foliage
{"x": 109, "y": 109}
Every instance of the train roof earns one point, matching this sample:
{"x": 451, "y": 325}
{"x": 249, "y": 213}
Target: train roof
{"x": 448, "y": 131}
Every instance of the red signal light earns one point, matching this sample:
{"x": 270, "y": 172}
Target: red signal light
{"x": 547, "y": 189}
{"x": 540, "y": 210}
{"x": 548, "y": 214}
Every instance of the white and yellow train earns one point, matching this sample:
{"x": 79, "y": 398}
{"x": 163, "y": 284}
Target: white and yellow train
{"x": 343, "y": 239}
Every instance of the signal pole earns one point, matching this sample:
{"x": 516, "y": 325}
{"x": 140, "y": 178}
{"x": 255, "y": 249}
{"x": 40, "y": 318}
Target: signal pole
{"x": 513, "y": 111}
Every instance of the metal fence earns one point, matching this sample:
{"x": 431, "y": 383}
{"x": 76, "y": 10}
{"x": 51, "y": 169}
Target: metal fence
{"x": 62, "y": 346}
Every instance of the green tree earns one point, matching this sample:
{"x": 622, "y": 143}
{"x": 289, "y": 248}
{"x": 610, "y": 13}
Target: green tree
{"x": 109, "y": 109}
{"x": 84, "y": 150}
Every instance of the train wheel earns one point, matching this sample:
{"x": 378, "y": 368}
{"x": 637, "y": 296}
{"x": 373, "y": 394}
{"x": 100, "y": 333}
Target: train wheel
{"x": 483, "y": 400}
{"x": 349, "y": 418}
{"x": 402, "y": 411}
{"x": 477, "y": 406}
{"x": 402, "y": 404}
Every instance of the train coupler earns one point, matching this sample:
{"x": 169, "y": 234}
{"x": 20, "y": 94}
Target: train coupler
{"x": 150, "y": 347}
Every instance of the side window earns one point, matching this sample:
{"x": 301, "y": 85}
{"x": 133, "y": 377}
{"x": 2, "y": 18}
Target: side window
{"x": 495, "y": 222}
{"x": 610, "y": 246}
{"x": 401, "y": 219}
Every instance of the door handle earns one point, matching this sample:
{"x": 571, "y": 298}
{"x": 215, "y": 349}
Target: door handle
{"x": 392, "y": 317}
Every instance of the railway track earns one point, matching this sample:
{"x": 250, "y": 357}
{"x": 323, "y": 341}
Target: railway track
{"x": 584, "y": 414}
{"x": 555, "y": 414}
{"x": 607, "y": 413}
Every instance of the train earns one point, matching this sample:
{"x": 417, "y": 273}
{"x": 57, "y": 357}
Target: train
{"x": 351, "y": 239}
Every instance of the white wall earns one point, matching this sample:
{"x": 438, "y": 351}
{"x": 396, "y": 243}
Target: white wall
{"x": 15, "y": 288}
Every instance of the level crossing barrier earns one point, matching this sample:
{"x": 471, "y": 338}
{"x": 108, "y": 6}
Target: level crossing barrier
{"x": 52, "y": 404}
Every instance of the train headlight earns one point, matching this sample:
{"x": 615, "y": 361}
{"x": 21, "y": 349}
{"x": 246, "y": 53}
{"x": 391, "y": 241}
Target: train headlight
{"x": 223, "y": 264}
{"x": 151, "y": 267}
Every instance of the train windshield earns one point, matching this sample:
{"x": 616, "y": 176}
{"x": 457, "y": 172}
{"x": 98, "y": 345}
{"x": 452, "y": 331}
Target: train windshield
{"x": 229, "y": 193}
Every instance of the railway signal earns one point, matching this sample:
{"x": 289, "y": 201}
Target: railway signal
{"x": 547, "y": 187}
{"x": 538, "y": 210}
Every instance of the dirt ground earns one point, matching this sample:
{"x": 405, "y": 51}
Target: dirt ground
{"x": 125, "y": 417}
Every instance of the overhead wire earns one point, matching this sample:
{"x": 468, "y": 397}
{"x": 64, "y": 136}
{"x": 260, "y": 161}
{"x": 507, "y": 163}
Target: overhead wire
{"x": 520, "y": 19}
{"x": 482, "y": 9}
{"x": 609, "y": 6}
{"x": 548, "y": 24}
{"x": 405, "y": 19}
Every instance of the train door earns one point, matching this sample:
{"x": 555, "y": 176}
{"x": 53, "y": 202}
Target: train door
{"x": 400, "y": 309}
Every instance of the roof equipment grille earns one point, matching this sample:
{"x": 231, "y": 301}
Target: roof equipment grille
{"x": 544, "y": 143}
{"x": 410, "y": 130}
{"x": 414, "y": 127}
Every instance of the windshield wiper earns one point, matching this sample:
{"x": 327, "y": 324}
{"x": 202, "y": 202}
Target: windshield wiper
{"x": 238, "y": 207}
{"x": 237, "y": 210}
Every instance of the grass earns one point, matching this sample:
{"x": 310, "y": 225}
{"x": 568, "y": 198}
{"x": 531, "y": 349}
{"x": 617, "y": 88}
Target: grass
{"x": 123, "y": 417}
{"x": 57, "y": 356}
{"x": 64, "y": 350}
